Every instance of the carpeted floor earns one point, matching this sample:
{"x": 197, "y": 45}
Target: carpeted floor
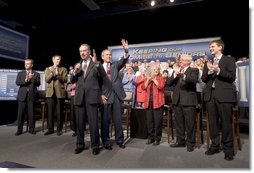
{"x": 57, "y": 152}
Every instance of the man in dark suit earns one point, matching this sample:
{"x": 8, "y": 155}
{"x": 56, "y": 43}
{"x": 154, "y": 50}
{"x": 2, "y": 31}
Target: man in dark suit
{"x": 87, "y": 98}
{"x": 28, "y": 80}
{"x": 112, "y": 97}
{"x": 184, "y": 101}
{"x": 56, "y": 78}
{"x": 219, "y": 95}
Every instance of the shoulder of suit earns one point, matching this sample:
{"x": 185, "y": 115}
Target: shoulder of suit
{"x": 62, "y": 68}
{"x": 194, "y": 69}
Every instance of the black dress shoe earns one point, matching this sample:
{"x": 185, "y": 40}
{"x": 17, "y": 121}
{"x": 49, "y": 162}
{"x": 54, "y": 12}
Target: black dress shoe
{"x": 190, "y": 148}
{"x": 156, "y": 143}
{"x": 96, "y": 151}
{"x": 32, "y": 131}
{"x": 79, "y": 150}
{"x": 150, "y": 141}
{"x": 108, "y": 147}
{"x": 121, "y": 145}
{"x": 74, "y": 134}
{"x": 176, "y": 145}
{"x": 18, "y": 133}
{"x": 228, "y": 157}
{"x": 59, "y": 133}
{"x": 212, "y": 151}
{"x": 48, "y": 132}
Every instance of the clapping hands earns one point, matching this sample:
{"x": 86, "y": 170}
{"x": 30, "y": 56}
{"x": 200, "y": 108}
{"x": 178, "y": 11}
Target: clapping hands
{"x": 212, "y": 67}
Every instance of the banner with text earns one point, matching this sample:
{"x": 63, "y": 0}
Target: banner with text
{"x": 164, "y": 51}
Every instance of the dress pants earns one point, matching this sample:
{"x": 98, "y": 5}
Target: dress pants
{"x": 55, "y": 106}
{"x": 116, "y": 107}
{"x": 154, "y": 119}
{"x": 185, "y": 119}
{"x": 223, "y": 111}
{"x": 22, "y": 105}
{"x": 91, "y": 111}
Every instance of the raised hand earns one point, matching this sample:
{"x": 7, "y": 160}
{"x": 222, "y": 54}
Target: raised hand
{"x": 125, "y": 45}
{"x": 94, "y": 57}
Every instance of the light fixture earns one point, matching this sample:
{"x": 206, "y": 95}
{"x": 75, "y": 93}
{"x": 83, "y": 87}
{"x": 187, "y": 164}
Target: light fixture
{"x": 152, "y": 3}
{"x": 172, "y": 1}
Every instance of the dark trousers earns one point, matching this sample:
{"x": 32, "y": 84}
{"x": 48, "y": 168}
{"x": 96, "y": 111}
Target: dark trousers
{"x": 185, "y": 118}
{"x": 116, "y": 107}
{"x": 21, "y": 114}
{"x": 154, "y": 121}
{"x": 55, "y": 106}
{"x": 222, "y": 111}
{"x": 91, "y": 111}
{"x": 73, "y": 115}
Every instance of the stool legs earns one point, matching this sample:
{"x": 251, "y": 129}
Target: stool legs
{"x": 43, "y": 114}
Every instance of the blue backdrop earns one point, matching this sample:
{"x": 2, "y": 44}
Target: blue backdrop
{"x": 164, "y": 51}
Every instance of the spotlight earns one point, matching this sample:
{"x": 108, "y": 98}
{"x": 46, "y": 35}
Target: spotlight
{"x": 172, "y": 1}
{"x": 152, "y": 3}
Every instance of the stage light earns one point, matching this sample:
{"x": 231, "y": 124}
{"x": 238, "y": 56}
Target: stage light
{"x": 172, "y": 1}
{"x": 152, "y": 3}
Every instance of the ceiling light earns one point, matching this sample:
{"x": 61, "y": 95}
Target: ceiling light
{"x": 152, "y": 3}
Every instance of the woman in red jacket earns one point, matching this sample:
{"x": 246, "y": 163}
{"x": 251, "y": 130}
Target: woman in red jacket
{"x": 140, "y": 91}
{"x": 154, "y": 101}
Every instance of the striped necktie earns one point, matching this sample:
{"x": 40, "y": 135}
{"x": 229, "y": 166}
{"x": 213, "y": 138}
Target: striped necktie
{"x": 84, "y": 68}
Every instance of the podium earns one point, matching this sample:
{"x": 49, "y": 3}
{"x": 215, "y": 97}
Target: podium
{"x": 138, "y": 124}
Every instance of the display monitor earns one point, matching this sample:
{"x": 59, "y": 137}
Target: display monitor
{"x": 8, "y": 87}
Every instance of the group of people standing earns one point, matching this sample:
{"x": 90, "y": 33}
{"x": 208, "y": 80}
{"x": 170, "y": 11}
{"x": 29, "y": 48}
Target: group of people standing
{"x": 97, "y": 83}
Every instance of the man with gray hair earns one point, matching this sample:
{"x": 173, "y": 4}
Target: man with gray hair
{"x": 184, "y": 100}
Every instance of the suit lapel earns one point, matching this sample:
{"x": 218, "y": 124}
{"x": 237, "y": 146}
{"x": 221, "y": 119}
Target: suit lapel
{"x": 90, "y": 66}
{"x": 222, "y": 61}
{"x": 24, "y": 74}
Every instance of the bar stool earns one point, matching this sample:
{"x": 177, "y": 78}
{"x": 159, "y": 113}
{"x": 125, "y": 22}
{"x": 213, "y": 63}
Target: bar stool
{"x": 198, "y": 126}
{"x": 169, "y": 121}
{"x": 67, "y": 110}
{"x": 236, "y": 129}
{"x": 42, "y": 101}
{"x": 168, "y": 109}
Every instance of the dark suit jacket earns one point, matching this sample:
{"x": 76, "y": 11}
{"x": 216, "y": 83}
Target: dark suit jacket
{"x": 114, "y": 85}
{"x": 224, "y": 87}
{"x": 56, "y": 84}
{"x": 24, "y": 86}
{"x": 185, "y": 90}
{"x": 88, "y": 85}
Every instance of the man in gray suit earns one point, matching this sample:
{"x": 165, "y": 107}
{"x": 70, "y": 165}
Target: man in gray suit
{"x": 112, "y": 96}
{"x": 87, "y": 98}
{"x": 184, "y": 101}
